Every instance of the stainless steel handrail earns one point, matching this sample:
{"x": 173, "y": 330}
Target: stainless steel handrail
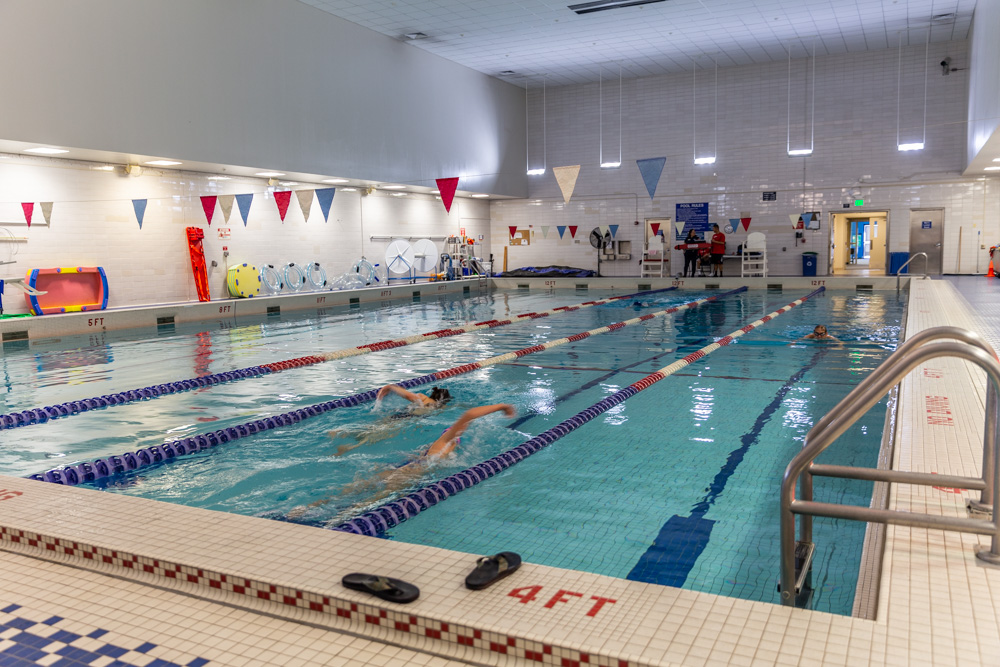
{"x": 916, "y": 350}
{"x": 906, "y": 263}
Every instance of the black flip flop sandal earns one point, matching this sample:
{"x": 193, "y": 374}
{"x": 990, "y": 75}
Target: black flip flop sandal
{"x": 392, "y": 590}
{"x": 491, "y": 569}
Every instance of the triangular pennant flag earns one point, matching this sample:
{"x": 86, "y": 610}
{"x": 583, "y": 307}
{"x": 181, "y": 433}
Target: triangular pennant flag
{"x": 512, "y": 230}
{"x": 746, "y": 224}
{"x": 794, "y": 217}
{"x": 545, "y": 231}
{"x": 305, "y": 198}
{"x": 572, "y": 230}
{"x": 655, "y": 226}
{"x": 566, "y": 178}
{"x": 208, "y": 204}
{"x": 282, "y": 199}
{"x": 47, "y": 211}
{"x": 28, "y": 209}
{"x": 447, "y": 187}
{"x": 679, "y": 227}
{"x": 140, "y": 210}
{"x": 815, "y": 217}
{"x": 562, "y": 230}
{"x": 735, "y": 222}
{"x": 325, "y": 197}
{"x": 604, "y": 230}
{"x": 226, "y": 203}
{"x": 651, "y": 168}
{"x": 243, "y": 202}
{"x": 613, "y": 229}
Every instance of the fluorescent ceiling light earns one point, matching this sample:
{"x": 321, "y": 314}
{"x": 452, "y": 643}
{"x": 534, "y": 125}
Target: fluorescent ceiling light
{"x": 44, "y": 150}
{"x": 800, "y": 151}
{"x": 400, "y": 194}
{"x": 536, "y": 172}
{"x": 480, "y": 196}
{"x": 348, "y": 189}
{"x": 996, "y": 159}
{"x": 269, "y": 174}
{"x": 336, "y": 180}
{"x": 911, "y": 147}
{"x": 704, "y": 160}
{"x": 610, "y": 165}
{"x": 393, "y": 187}
{"x": 289, "y": 183}
{"x": 162, "y": 163}
{"x": 604, "y": 5}
{"x": 435, "y": 192}
{"x": 218, "y": 178}
{"x": 105, "y": 167}
{"x": 992, "y": 169}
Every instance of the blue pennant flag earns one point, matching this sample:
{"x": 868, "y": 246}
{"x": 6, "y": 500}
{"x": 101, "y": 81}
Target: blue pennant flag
{"x": 735, "y": 222}
{"x": 140, "y": 209}
{"x": 243, "y": 201}
{"x": 562, "y": 230}
{"x": 325, "y": 197}
{"x": 614, "y": 230}
{"x": 651, "y": 168}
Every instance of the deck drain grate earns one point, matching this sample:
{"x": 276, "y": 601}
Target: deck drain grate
{"x": 160, "y": 321}
{"x": 9, "y": 336}
{"x": 274, "y": 310}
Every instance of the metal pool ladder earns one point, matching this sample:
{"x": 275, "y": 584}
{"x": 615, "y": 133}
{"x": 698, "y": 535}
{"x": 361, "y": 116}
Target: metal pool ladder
{"x": 900, "y": 269}
{"x": 797, "y": 554}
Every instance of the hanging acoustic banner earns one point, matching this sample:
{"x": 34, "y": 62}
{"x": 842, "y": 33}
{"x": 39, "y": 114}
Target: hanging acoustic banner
{"x": 226, "y": 203}
{"x": 282, "y": 199}
{"x": 604, "y": 230}
{"x": 566, "y": 178}
{"x": 447, "y": 187}
{"x": 512, "y": 230}
{"x": 795, "y": 218}
{"x": 746, "y": 224}
{"x": 678, "y": 227}
{"x": 562, "y": 230}
{"x": 208, "y": 205}
{"x": 613, "y": 229}
{"x": 572, "y": 230}
{"x": 545, "y": 231}
{"x": 243, "y": 202}
{"x": 655, "y": 227}
{"x": 305, "y": 198}
{"x": 325, "y": 198}
{"x": 47, "y": 211}
{"x": 28, "y": 209}
{"x": 140, "y": 210}
{"x": 651, "y": 168}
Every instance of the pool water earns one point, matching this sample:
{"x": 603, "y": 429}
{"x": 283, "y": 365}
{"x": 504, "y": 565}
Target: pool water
{"x": 677, "y": 486}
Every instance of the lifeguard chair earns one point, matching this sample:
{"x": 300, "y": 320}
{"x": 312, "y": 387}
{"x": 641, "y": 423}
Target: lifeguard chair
{"x": 653, "y": 258}
{"x": 754, "y": 256}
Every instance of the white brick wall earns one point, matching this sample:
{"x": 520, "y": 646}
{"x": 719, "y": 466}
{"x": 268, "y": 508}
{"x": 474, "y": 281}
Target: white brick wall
{"x": 93, "y": 224}
{"x": 855, "y": 156}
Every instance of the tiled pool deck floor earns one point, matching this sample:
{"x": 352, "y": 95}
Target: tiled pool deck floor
{"x": 100, "y": 579}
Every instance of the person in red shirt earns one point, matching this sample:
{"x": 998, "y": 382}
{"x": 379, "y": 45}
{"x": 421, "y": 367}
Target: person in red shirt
{"x": 718, "y": 250}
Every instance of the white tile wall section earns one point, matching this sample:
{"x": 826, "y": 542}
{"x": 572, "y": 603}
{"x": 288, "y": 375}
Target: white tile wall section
{"x": 855, "y": 156}
{"x": 93, "y": 224}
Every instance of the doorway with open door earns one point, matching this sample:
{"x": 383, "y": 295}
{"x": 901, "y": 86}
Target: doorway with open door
{"x": 858, "y": 243}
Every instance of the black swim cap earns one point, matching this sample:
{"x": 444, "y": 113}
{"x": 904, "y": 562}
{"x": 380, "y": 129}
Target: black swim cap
{"x": 440, "y": 395}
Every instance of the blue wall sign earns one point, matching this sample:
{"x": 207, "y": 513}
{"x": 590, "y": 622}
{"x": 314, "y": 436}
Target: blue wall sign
{"x": 926, "y": 224}
{"x": 694, "y": 216}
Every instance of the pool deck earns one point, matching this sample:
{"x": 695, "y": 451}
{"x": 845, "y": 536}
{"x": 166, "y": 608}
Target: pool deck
{"x": 97, "y": 577}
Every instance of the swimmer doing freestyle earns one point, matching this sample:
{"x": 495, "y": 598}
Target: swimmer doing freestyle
{"x": 420, "y": 404}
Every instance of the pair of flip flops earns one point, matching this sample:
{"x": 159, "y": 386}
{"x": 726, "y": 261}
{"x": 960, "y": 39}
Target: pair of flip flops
{"x": 489, "y": 570}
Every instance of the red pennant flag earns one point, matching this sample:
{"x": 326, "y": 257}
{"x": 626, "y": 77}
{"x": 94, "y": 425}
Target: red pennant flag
{"x": 655, "y": 226}
{"x": 746, "y": 224}
{"x": 572, "y": 230}
{"x": 512, "y": 230}
{"x": 282, "y": 199}
{"x": 28, "y": 208}
{"x": 208, "y": 204}
{"x": 447, "y": 186}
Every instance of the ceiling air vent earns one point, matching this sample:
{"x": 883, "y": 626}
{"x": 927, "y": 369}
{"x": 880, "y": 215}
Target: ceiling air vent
{"x": 415, "y": 35}
{"x": 943, "y": 18}
{"x": 604, "y": 5}
{"x": 508, "y": 72}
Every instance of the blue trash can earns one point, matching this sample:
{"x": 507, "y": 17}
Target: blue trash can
{"x": 809, "y": 263}
{"x": 896, "y": 260}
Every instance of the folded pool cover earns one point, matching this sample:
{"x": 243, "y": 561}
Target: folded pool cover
{"x": 548, "y": 272}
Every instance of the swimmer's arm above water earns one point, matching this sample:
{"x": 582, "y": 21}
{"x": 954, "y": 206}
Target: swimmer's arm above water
{"x": 447, "y": 442}
{"x": 419, "y": 399}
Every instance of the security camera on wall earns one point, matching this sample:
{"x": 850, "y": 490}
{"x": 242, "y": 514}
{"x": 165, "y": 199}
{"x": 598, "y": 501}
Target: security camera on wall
{"x": 946, "y": 66}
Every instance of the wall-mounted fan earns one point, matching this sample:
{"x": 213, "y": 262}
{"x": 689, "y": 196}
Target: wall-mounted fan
{"x": 599, "y": 241}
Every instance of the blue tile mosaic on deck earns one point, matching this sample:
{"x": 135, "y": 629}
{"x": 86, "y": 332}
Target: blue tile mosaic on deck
{"x": 29, "y": 647}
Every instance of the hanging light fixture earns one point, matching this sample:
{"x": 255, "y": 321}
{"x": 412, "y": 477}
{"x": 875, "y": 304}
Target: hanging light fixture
{"x": 802, "y": 150}
{"x": 911, "y": 145}
{"x": 534, "y": 171}
{"x": 610, "y": 164}
{"x": 705, "y": 159}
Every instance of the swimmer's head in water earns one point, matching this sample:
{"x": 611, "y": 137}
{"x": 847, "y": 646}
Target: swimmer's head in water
{"x": 820, "y": 330}
{"x": 440, "y": 395}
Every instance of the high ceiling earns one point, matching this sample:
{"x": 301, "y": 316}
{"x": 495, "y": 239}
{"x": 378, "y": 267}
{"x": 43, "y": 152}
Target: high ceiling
{"x": 538, "y": 39}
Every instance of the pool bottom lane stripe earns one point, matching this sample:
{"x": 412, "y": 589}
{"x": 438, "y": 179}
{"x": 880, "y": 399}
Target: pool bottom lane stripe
{"x": 72, "y": 475}
{"x": 681, "y": 540}
{"x": 388, "y": 515}
{"x": 41, "y": 415}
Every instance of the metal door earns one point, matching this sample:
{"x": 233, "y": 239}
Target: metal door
{"x": 927, "y": 235}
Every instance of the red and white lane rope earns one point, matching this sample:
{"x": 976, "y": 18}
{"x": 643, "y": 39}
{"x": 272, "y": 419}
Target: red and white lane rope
{"x": 388, "y": 515}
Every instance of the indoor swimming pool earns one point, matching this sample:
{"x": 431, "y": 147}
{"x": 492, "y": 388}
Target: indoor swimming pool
{"x": 676, "y": 486}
